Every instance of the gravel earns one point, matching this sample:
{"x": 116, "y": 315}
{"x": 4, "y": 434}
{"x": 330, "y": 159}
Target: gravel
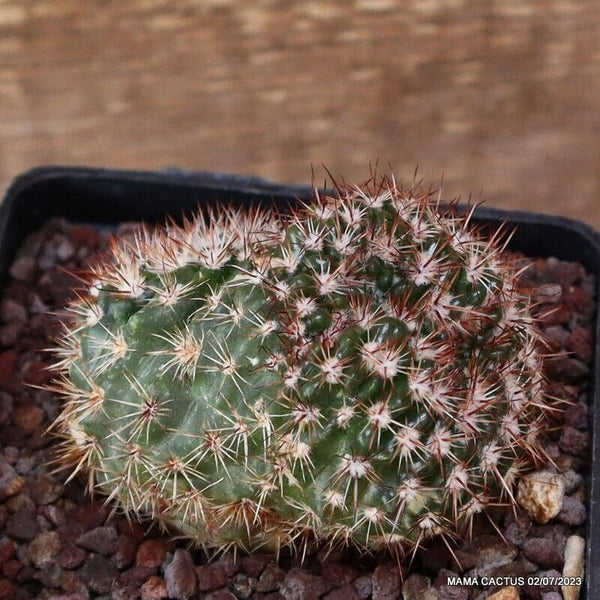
{"x": 58, "y": 544}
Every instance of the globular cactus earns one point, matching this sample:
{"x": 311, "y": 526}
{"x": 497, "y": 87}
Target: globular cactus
{"x": 361, "y": 370}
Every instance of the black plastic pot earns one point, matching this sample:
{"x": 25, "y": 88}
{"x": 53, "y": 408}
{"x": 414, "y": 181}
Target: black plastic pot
{"x": 107, "y": 197}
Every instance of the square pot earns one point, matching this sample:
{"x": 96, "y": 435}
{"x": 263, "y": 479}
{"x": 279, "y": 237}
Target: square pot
{"x": 107, "y": 197}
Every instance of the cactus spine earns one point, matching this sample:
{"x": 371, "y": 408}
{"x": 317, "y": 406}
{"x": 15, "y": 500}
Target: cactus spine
{"x": 360, "y": 371}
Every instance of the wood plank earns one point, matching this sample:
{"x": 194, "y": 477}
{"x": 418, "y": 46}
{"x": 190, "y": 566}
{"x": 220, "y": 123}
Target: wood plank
{"x": 501, "y": 97}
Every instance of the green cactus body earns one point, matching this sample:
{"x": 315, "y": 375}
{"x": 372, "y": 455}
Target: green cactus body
{"x": 361, "y": 371}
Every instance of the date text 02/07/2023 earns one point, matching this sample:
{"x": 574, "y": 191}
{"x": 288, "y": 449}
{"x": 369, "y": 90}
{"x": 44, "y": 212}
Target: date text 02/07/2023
{"x": 530, "y": 580}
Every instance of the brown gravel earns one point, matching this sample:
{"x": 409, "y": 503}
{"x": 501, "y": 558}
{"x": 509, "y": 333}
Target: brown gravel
{"x": 58, "y": 544}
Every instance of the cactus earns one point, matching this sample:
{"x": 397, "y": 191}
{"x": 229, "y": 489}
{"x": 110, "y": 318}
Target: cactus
{"x": 358, "y": 371}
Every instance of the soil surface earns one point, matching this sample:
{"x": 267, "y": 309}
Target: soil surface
{"x": 56, "y": 542}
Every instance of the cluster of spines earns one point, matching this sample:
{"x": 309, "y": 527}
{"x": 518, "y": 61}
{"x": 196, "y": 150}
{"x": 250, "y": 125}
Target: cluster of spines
{"x": 359, "y": 371}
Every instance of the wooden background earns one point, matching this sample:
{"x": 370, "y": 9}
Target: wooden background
{"x": 501, "y": 97}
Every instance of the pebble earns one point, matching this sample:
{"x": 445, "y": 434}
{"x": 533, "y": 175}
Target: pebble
{"x": 574, "y": 565}
{"x": 29, "y": 417}
{"x": 491, "y": 552}
{"x": 254, "y": 564}
{"x": 126, "y": 551}
{"x": 211, "y": 577}
{"x": 8, "y": 363}
{"x": 49, "y": 576}
{"x": 414, "y": 586}
{"x": 223, "y": 594}
{"x": 576, "y": 415}
{"x": 11, "y": 311}
{"x": 574, "y": 441}
{"x": 6, "y": 408}
{"x": 7, "y": 591}
{"x": 99, "y": 573}
{"x": 346, "y": 592}
{"x": 242, "y": 586}
{"x": 541, "y": 495}
{"x": 572, "y": 481}
{"x": 44, "y": 548}
{"x": 22, "y": 526}
{"x": 151, "y": 553}
{"x": 548, "y": 293}
{"x": 386, "y": 582}
{"x": 230, "y": 563}
{"x": 71, "y": 556}
{"x": 270, "y": 579}
{"x": 544, "y": 552}
{"x": 154, "y": 589}
{"x": 10, "y": 482}
{"x": 102, "y": 540}
{"x": 573, "y": 511}
{"x": 11, "y": 568}
{"x": 135, "y": 576}
{"x": 567, "y": 369}
{"x": 45, "y": 491}
{"x": 507, "y": 593}
{"x": 299, "y": 584}
{"x": 9, "y": 333}
{"x": 339, "y": 574}
{"x": 450, "y": 592}
{"x": 364, "y": 586}
{"x": 23, "y": 269}
{"x": 180, "y": 576}
{"x": 7, "y": 551}
{"x": 580, "y": 343}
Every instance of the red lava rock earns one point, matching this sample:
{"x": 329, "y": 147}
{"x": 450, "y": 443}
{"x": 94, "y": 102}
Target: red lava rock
{"x": 254, "y": 564}
{"x": 71, "y": 557}
{"x": 180, "y": 576}
{"x": 576, "y": 415}
{"x": 386, "y": 582}
{"x": 102, "y": 540}
{"x": 346, "y": 592}
{"x": 364, "y": 586}
{"x": 151, "y": 553}
{"x": 136, "y": 575}
{"x": 154, "y": 588}
{"x": 220, "y": 595}
{"x": 211, "y": 577}
{"x": 7, "y": 591}
{"x": 8, "y": 363}
{"x": 579, "y": 300}
{"x": 99, "y": 574}
{"x": 125, "y": 554}
{"x": 11, "y": 568}
{"x": 44, "y": 491}
{"x": 131, "y": 528}
{"x": 29, "y": 417}
{"x": 573, "y": 441}
{"x": 37, "y": 372}
{"x": 580, "y": 343}
{"x": 7, "y": 551}
{"x": 84, "y": 235}
{"x": 69, "y": 531}
{"x": 573, "y": 511}
{"x": 70, "y": 583}
{"x": 550, "y": 314}
{"x": 92, "y": 515}
{"x": 22, "y": 525}
{"x": 229, "y": 563}
{"x": 338, "y": 573}
{"x": 544, "y": 552}
{"x": 299, "y": 584}
{"x": 270, "y": 579}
